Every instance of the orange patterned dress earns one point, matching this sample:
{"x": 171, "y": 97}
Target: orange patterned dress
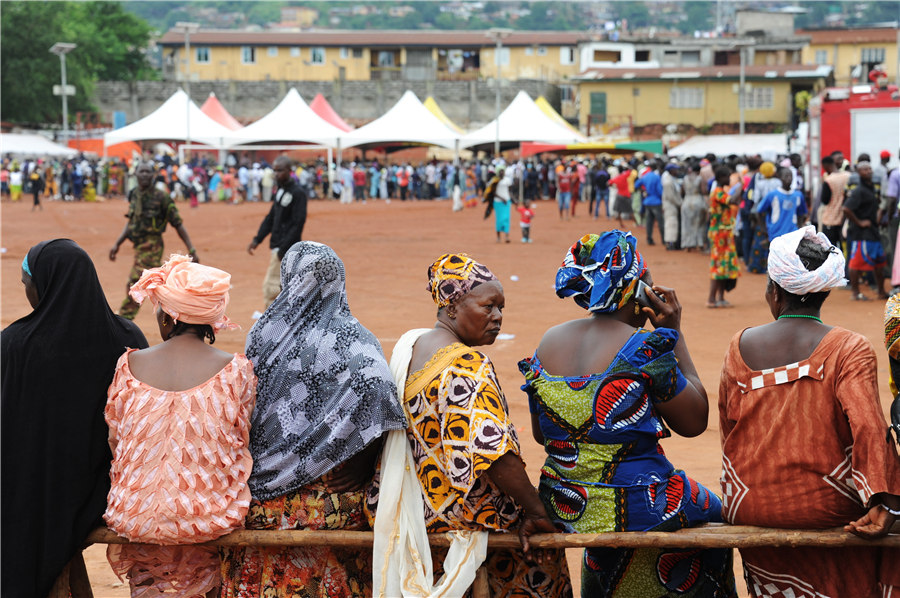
{"x": 179, "y": 475}
{"x": 803, "y": 446}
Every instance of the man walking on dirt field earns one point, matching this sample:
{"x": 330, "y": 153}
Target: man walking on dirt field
{"x": 149, "y": 211}
{"x": 284, "y": 221}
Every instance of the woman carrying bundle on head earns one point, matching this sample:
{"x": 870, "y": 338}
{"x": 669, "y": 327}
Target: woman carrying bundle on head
{"x": 803, "y": 434}
{"x": 179, "y": 425}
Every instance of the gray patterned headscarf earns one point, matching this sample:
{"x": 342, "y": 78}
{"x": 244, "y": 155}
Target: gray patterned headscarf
{"x": 324, "y": 389}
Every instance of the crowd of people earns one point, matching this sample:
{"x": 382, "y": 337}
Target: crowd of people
{"x": 312, "y": 428}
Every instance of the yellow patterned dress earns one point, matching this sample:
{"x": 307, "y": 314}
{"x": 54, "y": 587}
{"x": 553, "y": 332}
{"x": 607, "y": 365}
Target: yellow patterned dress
{"x": 459, "y": 425}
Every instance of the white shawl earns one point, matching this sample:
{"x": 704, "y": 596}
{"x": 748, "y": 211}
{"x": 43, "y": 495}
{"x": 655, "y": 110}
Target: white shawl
{"x": 401, "y": 553}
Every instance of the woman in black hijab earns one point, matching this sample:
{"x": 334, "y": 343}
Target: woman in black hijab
{"x": 57, "y": 364}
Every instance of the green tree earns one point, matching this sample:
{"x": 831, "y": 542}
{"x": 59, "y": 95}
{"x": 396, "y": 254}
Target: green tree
{"x": 636, "y": 12}
{"x": 111, "y": 45}
{"x": 698, "y": 17}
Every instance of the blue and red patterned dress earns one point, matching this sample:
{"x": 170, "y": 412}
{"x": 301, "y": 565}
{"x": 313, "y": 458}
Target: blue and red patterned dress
{"x": 605, "y": 471}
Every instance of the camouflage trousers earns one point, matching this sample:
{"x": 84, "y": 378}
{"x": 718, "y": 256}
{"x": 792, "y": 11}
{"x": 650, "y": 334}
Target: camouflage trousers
{"x": 147, "y": 254}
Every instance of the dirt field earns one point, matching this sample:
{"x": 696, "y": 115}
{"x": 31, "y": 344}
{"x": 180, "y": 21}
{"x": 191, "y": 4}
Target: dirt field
{"x": 386, "y": 250}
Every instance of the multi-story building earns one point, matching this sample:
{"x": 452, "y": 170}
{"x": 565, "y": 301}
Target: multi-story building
{"x": 370, "y": 55}
{"x": 852, "y": 53}
{"x": 647, "y": 85}
{"x": 701, "y": 98}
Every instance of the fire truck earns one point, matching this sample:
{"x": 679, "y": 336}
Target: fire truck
{"x": 854, "y": 120}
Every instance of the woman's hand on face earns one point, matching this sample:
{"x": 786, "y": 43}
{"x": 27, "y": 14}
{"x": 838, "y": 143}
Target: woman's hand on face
{"x": 876, "y": 523}
{"x": 664, "y": 314}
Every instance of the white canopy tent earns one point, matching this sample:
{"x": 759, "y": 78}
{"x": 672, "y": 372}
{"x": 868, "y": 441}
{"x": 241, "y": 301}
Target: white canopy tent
{"x": 34, "y": 146}
{"x": 408, "y": 121}
{"x": 768, "y": 146}
{"x": 172, "y": 121}
{"x": 291, "y": 121}
{"x": 523, "y": 120}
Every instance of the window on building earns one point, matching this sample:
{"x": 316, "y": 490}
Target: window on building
{"x": 345, "y": 53}
{"x": 542, "y": 50}
{"x": 690, "y": 58}
{"x": 567, "y": 93}
{"x": 821, "y": 56}
{"x": 202, "y": 54}
{"x": 759, "y": 98}
{"x": 607, "y": 56}
{"x": 357, "y": 52}
{"x": 598, "y": 106}
{"x": 529, "y": 51}
{"x": 502, "y": 59}
{"x": 872, "y": 55}
{"x": 295, "y": 52}
{"x": 273, "y": 50}
{"x": 567, "y": 55}
{"x": 642, "y": 56}
{"x": 248, "y": 55}
{"x": 386, "y": 58}
{"x": 317, "y": 55}
{"x": 686, "y": 97}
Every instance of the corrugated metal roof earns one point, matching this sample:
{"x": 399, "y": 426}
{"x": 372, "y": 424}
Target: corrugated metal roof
{"x": 788, "y": 71}
{"x": 383, "y": 38}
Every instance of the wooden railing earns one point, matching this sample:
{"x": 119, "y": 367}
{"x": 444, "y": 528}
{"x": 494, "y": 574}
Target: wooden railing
{"x": 707, "y": 536}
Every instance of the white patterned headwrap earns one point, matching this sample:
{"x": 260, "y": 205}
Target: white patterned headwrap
{"x": 787, "y": 270}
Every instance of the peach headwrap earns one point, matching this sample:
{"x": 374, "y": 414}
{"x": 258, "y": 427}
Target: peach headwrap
{"x": 189, "y": 292}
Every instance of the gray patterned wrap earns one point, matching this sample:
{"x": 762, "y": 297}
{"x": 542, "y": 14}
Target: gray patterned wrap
{"x": 324, "y": 389}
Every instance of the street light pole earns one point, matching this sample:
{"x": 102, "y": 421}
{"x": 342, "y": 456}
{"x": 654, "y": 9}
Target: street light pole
{"x": 61, "y": 49}
{"x": 497, "y": 34}
{"x": 187, "y": 28}
{"x": 741, "y": 97}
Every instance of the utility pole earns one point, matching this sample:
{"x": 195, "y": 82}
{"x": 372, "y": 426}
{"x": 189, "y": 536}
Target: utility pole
{"x": 61, "y": 49}
{"x": 187, "y": 28}
{"x": 497, "y": 34}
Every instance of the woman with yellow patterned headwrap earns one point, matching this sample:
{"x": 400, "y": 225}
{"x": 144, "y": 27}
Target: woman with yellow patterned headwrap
{"x": 761, "y": 185}
{"x": 457, "y": 467}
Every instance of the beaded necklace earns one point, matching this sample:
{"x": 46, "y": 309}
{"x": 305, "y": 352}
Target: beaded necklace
{"x": 805, "y": 316}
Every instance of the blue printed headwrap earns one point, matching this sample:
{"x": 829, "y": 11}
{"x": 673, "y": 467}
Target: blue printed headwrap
{"x": 601, "y": 271}
{"x": 25, "y": 265}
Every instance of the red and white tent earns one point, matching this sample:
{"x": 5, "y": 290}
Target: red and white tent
{"x": 321, "y": 107}
{"x": 214, "y": 109}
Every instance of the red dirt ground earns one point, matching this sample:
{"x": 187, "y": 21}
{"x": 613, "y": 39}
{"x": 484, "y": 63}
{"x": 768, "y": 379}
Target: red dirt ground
{"x": 386, "y": 250}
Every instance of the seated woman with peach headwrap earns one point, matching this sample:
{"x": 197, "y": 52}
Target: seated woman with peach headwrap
{"x": 179, "y": 427}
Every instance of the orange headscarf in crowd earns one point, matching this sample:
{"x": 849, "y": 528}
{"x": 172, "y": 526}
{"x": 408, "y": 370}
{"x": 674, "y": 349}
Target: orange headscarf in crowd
{"x": 189, "y": 292}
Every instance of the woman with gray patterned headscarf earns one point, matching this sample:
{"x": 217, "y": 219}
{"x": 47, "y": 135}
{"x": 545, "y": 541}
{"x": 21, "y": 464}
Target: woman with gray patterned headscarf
{"x": 325, "y": 397}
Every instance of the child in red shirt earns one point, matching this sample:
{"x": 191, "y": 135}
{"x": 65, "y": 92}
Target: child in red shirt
{"x": 526, "y": 213}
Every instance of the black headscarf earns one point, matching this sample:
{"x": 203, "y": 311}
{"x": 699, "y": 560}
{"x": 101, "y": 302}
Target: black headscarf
{"x": 57, "y": 365}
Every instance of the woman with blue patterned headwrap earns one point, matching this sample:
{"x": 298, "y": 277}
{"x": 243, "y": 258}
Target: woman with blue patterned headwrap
{"x": 603, "y": 391}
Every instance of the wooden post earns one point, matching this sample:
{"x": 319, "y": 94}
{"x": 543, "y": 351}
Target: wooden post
{"x": 481, "y": 588}
{"x": 79, "y": 584}
{"x": 60, "y": 587}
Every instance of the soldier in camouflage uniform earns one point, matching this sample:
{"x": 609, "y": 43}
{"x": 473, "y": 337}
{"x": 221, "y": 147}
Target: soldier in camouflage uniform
{"x": 149, "y": 211}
